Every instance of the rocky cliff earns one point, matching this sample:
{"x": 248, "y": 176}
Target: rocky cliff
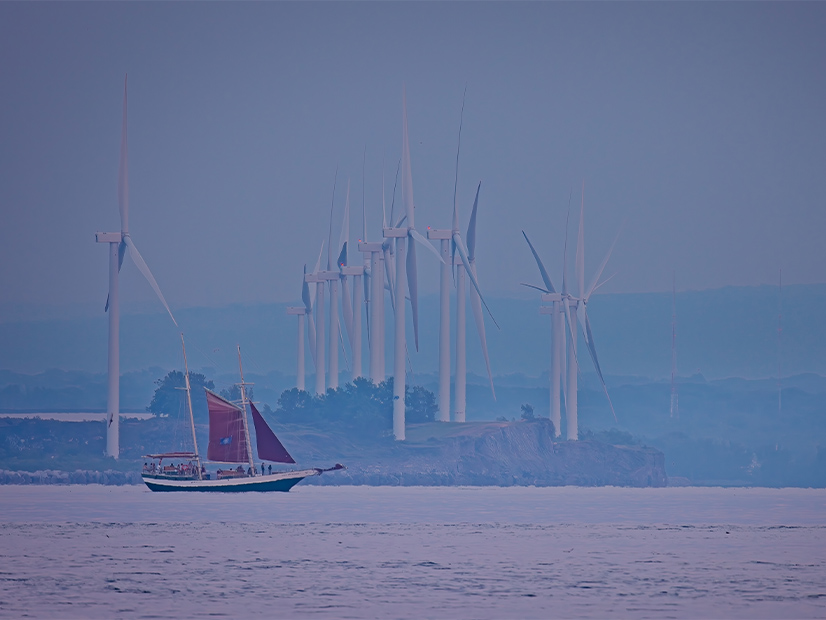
{"x": 502, "y": 454}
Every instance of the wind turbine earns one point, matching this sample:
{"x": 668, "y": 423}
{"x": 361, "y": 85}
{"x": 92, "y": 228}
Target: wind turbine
{"x": 557, "y": 336}
{"x": 119, "y": 242}
{"x": 406, "y": 278}
{"x": 568, "y": 311}
{"x": 332, "y": 277}
{"x": 466, "y": 268}
{"x": 467, "y": 264}
{"x": 446, "y": 236}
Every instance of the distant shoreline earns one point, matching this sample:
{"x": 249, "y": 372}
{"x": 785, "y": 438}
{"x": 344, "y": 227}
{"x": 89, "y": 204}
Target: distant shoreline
{"x": 110, "y": 477}
{"x": 74, "y": 416}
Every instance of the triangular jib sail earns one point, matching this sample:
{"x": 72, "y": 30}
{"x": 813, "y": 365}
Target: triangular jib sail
{"x": 269, "y": 447}
{"x": 227, "y": 431}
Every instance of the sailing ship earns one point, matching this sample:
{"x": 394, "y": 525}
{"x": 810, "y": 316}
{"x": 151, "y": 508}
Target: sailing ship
{"x": 229, "y": 444}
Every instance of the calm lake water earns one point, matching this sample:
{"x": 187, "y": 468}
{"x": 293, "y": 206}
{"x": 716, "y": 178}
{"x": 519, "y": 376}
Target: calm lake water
{"x": 388, "y": 552}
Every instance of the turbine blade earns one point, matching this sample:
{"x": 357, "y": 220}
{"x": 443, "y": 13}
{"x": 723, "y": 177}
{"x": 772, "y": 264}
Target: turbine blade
{"x": 389, "y": 270}
{"x": 330, "y": 234}
{"x": 393, "y": 198}
{"x": 471, "y": 228}
{"x": 407, "y": 177}
{"x": 453, "y": 258}
{"x": 123, "y": 171}
{"x": 413, "y": 287}
{"x": 605, "y": 281}
{"x": 305, "y": 293}
{"x": 311, "y": 336}
{"x": 581, "y": 316}
{"x": 538, "y": 288}
{"x": 580, "y": 247}
{"x": 417, "y": 236}
{"x": 316, "y": 270}
{"x": 571, "y": 327}
{"x": 121, "y": 252}
{"x": 456, "y": 177}
{"x": 564, "y": 355}
{"x": 142, "y": 267}
{"x": 318, "y": 261}
{"x": 593, "y": 351}
{"x": 347, "y": 308}
{"x": 308, "y": 305}
{"x": 343, "y": 350}
{"x": 463, "y": 255}
{"x": 565, "y": 253}
{"x": 542, "y": 271}
{"x": 366, "y": 286}
{"x": 342, "y": 257}
{"x": 383, "y": 208}
{"x": 602, "y": 265}
{"x": 363, "y": 190}
{"x": 345, "y": 230}
{"x": 479, "y": 319}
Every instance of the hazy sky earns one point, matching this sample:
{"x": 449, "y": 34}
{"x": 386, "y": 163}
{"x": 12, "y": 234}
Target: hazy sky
{"x": 702, "y": 124}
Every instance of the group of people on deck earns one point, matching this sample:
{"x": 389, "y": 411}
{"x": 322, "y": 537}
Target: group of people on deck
{"x": 182, "y": 469}
{"x": 191, "y": 469}
{"x": 240, "y": 471}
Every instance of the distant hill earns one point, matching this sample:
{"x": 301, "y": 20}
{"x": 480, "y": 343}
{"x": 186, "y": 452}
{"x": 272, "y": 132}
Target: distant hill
{"x": 728, "y": 332}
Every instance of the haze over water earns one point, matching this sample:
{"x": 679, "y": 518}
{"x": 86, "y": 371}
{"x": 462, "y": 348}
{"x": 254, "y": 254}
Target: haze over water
{"x": 367, "y": 552}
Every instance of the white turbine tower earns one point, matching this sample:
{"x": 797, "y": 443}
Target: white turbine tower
{"x": 119, "y": 242}
{"x": 316, "y": 331}
{"x": 374, "y": 297}
{"x": 332, "y": 277}
{"x": 406, "y": 278}
{"x": 445, "y": 236}
{"x": 302, "y": 312}
{"x": 352, "y": 321}
{"x": 567, "y": 311}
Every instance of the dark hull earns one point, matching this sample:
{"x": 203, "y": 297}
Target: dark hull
{"x": 282, "y": 482}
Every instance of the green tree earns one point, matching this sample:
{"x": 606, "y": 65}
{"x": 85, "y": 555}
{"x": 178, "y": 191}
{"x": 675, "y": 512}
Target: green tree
{"x": 170, "y": 396}
{"x": 360, "y": 406}
{"x": 527, "y": 412}
{"x": 295, "y": 401}
{"x": 420, "y": 405}
{"x": 233, "y": 393}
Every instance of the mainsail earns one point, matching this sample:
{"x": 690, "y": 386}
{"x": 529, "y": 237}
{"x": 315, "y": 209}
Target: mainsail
{"x": 227, "y": 432}
{"x": 269, "y": 447}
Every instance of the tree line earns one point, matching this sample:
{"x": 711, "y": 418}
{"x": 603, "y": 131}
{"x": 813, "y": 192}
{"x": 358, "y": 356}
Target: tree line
{"x": 359, "y": 405}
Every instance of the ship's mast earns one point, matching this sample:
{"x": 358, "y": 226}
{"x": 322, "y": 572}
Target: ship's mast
{"x": 189, "y": 404}
{"x": 244, "y": 409}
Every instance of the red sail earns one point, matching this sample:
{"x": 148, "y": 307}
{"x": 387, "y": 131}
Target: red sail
{"x": 269, "y": 448}
{"x": 227, "y": 436}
